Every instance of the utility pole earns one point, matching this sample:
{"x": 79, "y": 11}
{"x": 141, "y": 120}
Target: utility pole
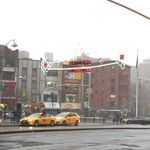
{"x": 137, "y": 86}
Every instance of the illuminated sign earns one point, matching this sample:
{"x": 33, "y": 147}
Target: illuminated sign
{"x": 80, "y": 62}
{"x": 81, "y": 70}
{"x": 80, "y": 65}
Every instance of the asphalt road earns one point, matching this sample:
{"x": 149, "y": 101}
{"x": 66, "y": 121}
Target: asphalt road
{"x": 128, "y": 139}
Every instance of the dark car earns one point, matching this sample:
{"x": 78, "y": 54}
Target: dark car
{"x": 138, "y": 120}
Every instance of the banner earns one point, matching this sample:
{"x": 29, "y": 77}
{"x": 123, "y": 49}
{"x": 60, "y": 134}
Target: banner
{"x": 70, "y": 106}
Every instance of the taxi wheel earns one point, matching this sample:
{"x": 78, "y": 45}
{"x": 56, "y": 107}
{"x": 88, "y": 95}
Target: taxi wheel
{"x": 64, "y": 123}
{"x": 36, "y": 123}
{"x": 52, "y": 123}
{"x": 77, "y": 123}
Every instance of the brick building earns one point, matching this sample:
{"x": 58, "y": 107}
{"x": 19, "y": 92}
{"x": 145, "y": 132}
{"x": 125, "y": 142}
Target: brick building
{"x": 111, "y": 87}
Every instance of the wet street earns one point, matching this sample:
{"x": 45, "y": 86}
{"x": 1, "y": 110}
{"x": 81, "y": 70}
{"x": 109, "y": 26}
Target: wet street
{"x": 120, "y": 139}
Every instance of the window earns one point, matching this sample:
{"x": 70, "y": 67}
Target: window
{"x": 112, "y": 90}
{"x": 34, "y": 72}
{"x": 70, "y": 98}
{"x": 52, "y": 73}
{"x": 24, "y": 72}
{"x": 34, "y": 84}
{"x": 50, "y": 97}
{"x": 24, "y": 84}
{"x": 8, "y": 75}
{"x": 51, "y": 84}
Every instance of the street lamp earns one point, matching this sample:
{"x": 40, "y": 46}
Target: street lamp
{"x": 22, "y": 92}
{"x": 14, "y": 45}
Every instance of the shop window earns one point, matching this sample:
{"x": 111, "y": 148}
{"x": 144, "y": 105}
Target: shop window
{"x": 70, "y": 98}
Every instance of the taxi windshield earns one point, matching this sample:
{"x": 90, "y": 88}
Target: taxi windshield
{"x": 35, "y": 115}
{"x": 61, "y": 115}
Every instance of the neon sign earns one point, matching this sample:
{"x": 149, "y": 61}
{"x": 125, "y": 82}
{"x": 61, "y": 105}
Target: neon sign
{"x": 80, "y": 62}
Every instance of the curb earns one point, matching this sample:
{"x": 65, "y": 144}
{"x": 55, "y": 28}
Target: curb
{"x": 9, "y": 125}
{"x": 71, "y": 129}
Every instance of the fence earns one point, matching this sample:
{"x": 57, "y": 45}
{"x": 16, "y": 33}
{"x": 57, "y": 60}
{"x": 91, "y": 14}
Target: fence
{"x": 92, "y": 119}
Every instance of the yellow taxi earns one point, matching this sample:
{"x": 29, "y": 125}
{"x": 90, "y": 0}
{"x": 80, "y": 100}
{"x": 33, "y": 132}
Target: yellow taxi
{"x": 67, "y": 118}
{"x": 37, "y": 119}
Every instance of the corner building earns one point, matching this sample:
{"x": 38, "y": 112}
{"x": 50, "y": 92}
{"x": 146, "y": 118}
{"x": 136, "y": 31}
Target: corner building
{"x": 110, "y": 88}
{"x": 8, "y": 66}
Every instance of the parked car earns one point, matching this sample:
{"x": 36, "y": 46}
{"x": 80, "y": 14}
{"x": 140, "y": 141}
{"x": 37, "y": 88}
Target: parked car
{"x": 37, "y": 119}
{"x": 67, "y": 118}
{"x": 138, "y": 120}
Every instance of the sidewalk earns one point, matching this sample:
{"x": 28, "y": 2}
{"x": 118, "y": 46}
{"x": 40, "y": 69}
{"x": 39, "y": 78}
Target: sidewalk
{"x": 8, "y": 122}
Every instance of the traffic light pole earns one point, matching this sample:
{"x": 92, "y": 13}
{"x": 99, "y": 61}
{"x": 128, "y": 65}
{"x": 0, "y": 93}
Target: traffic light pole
{"x": 126, "y": 7}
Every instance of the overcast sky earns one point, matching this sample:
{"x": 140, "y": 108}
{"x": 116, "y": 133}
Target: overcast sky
{"x": 69, "y": 27}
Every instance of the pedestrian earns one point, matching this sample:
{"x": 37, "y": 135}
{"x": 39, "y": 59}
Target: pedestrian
{"x": 4, "y": 115}
{"x": 103, "y": 119}
{"x": 120, "y": 118}
{"x": 1, "y": 114}
{"x": 117, "y": 118}
{"x": 13, "y": 116}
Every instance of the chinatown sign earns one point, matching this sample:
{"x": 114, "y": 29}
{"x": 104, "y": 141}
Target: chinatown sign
{"x": 46, "y": 66}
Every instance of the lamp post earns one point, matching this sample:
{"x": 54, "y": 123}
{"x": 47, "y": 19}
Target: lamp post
{"x": 22, "y": 91}
{"x": 14, "y": 45}
{"x": 3, "y": 64}
{"x": 52, "y": 100}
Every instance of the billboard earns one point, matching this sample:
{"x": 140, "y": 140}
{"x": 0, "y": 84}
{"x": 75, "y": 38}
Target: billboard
{"x": 70, "y": 106}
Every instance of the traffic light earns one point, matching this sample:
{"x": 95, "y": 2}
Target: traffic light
{"x": 121, "y": 56}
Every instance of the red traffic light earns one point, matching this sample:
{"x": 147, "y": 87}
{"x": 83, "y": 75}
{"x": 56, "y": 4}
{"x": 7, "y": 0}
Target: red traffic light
{"x": 121, "y": 56}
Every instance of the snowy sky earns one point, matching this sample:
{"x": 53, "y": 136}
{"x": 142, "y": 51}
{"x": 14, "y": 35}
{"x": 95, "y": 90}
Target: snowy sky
{"x": 69, "y": 27}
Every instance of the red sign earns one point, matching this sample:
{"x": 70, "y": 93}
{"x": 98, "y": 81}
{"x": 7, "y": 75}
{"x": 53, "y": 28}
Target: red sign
{"x": 10, "y": 84}
{"x": 81, "y": 70}
{"x": 80, "y": 62}
{"x": 9, "y": 101}
{"x": 121, "y": 56}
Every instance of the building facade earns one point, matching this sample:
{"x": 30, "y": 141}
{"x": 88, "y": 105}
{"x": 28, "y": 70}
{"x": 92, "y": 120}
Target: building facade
{"x": 111, "y": 88}
{"x": 8, "y": 67}
{"x": 30, "y": 81}
{"x": 106, "y": 87}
